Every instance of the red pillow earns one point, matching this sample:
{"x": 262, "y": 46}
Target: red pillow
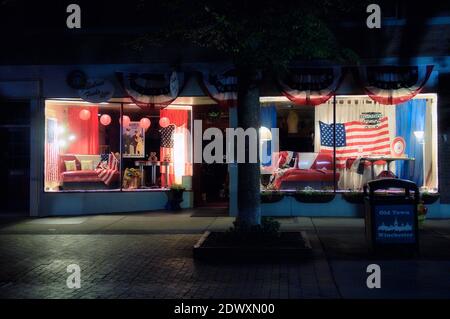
{"x": 323, "y": 161}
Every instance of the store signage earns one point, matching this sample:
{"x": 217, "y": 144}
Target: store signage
{"x": 371, "y": 119}
{"x": 97, "y": 91}
{"x": 395, "y": 224}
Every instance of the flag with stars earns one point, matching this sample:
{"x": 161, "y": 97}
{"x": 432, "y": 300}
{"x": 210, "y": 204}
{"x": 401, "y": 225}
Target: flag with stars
{"x": 354, "y": 139}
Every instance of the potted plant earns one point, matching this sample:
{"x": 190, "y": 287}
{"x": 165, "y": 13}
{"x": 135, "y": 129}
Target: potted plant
{"x": 131, "y": 178}
{"x": 422, "y": 211}
{"x": 214, "y": 115}
{"x": 354, "y": 197}
{"x": 174, "y": 197}
{"x": 310, "y": 195}
{"x": 429, "y": 198}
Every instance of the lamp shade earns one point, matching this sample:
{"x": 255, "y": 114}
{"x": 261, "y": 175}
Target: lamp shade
{"x": 145, "y": 123}
{"x": 85, "y": 114}
{"x": 105, "y": 119}
{"x": 265, "y": 134}
{"x": 125, "y": 121}
{"x": 164, "y": 122}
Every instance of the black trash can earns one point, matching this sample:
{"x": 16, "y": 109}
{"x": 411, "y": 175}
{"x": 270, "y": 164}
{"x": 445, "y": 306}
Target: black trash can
{"x": 391, "y": 217}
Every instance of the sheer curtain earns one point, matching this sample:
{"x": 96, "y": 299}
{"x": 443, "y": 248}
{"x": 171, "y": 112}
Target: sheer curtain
{"x": 350, "y": 109}
{"x": 84, "y": 131}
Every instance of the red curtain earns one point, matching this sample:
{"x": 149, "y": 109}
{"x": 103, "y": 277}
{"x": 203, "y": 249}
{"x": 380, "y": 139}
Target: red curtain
{"x": 85, "y": 131}
{"x": 178, "y": 118}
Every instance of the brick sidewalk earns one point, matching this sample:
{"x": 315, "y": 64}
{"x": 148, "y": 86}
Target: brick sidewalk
{"x": 143, "y": 256}
{"x": 146, "y": 266}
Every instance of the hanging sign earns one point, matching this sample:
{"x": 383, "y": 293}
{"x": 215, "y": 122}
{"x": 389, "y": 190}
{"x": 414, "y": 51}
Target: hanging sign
{"x": 310, "y": 86}
{"x": 152, "y": 90}
{"x": 97, "y": 91}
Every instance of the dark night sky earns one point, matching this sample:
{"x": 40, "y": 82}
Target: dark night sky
{"x": 36, "y": 32}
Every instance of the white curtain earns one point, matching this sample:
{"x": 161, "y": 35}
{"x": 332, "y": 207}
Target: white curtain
{"x": 350, "y": 109}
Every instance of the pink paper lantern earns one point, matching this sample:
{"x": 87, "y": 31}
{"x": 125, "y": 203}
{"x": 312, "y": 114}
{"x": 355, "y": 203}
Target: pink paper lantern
{"x": 85, "y": 115}
{"x": 145, "y": 123}
{"x": 164, "y": 122}
{"x": 105, "y": 119}
{"x": 126, "y": 121}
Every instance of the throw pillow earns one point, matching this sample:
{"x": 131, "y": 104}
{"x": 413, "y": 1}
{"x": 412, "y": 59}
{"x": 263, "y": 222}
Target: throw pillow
{"x": 87, "y": 165}
{"x": 287, "y": 159}
{"x": 70, "y": 165}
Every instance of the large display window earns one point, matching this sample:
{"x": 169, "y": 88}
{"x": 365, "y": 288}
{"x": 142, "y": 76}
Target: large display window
{"x": 115, "y": 146}
{"x": 343, "y": 146}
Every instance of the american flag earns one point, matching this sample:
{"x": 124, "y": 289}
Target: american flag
{"x": 107, "y": 167}
{"x": 355, "y": 139}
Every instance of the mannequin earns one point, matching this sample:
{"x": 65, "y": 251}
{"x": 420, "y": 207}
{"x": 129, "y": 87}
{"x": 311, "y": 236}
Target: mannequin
{"x": 292, "y": 122}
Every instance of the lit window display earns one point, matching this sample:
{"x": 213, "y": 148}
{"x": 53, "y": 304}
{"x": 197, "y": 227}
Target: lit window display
{"x": 83, "y": 150}
{"x": 372, "y": 141}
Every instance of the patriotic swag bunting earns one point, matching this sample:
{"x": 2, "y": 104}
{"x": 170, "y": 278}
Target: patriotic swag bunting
{"x": 311, "y": 86}
{"x": 152, "y": 90}
{"x": 393, "y": 84}
{"x": 221, "y": 86}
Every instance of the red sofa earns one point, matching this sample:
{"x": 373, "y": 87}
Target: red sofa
{"x": 79, "y": 178}
{"x": 318, "y": 176}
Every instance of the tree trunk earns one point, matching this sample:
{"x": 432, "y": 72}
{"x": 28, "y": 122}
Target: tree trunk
{"x": 248, "y": 192}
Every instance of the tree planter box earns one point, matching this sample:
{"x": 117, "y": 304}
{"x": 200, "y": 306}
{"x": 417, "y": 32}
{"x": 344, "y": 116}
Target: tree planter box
{"x": 289, "y": 246}
{"x": 313, "y": 198}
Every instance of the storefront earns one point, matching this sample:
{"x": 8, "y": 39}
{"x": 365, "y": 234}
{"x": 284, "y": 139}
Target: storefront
{"x": 120, "y": 142}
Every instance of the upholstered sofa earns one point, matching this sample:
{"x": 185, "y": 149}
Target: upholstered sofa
{"x": 82, "y": 179}
{"x": 311, "y": 169}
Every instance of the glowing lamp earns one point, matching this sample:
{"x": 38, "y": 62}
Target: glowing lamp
{"x": 265, "y": 134}
{"x": 164, "y": 122}
{"x": 145, "y": 123}
{"x": 126, "y": 121}
{"x": 105, "y": 119}
{"x": 85, "y": 115}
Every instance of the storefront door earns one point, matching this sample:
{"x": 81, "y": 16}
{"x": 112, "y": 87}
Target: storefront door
{"x": 15, "y": 157}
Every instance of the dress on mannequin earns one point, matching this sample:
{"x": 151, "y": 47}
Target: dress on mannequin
{"x": 292, "y": 122}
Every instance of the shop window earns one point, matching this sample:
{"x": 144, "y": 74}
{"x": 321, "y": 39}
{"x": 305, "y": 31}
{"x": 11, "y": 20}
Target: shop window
{"x": 156, "y": 147}
{"x": 83, "y": 150}
{"x": 379, "y": 141}
{"x": 298, "y": 165}
{"x": 372, "y": 141}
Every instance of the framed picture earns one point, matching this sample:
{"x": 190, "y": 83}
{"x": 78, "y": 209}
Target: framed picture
{"x": 133, "y": 138}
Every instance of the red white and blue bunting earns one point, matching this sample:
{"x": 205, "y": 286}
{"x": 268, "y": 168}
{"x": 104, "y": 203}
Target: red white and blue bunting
{"x": 152, "y": 90}
{"x": 221, "y": 86}
{"x": 311, "y": 86}
{"x": 393, "y": 84}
